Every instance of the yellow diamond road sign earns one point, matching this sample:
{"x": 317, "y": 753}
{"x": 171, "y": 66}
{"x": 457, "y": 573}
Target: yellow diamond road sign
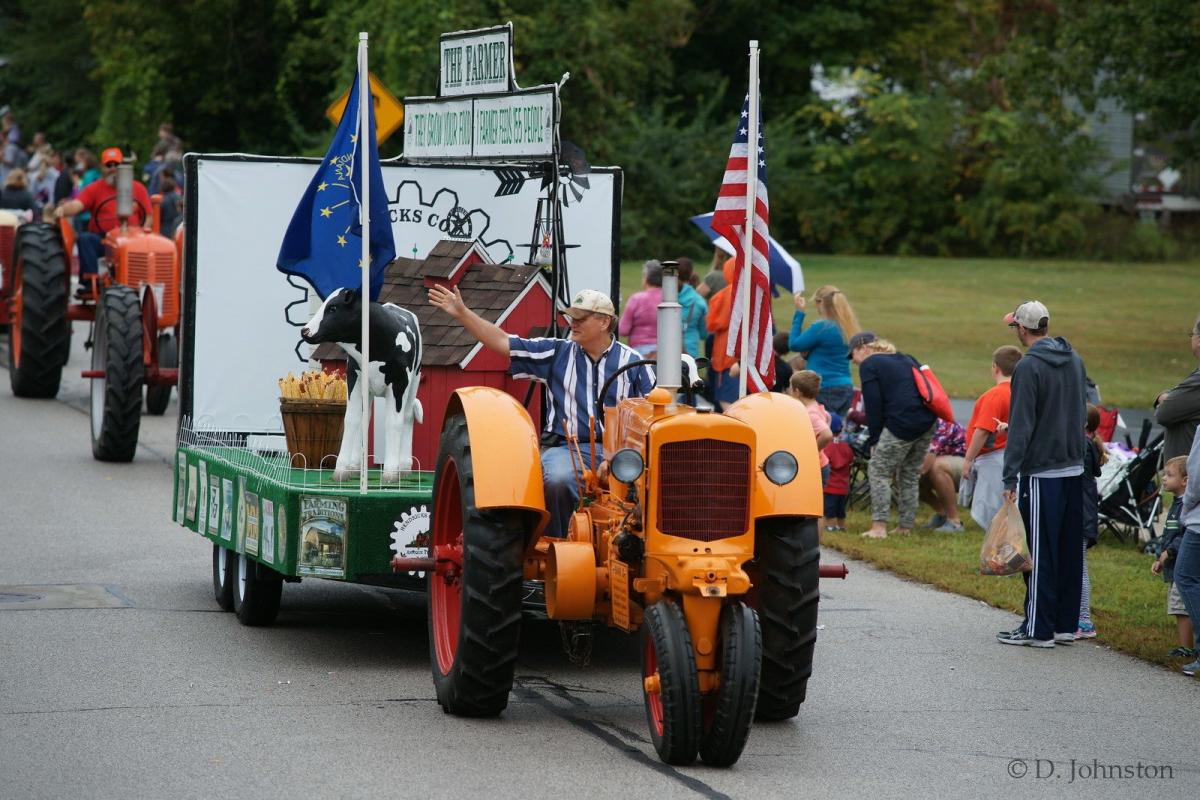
{"x": 389, "y": 112}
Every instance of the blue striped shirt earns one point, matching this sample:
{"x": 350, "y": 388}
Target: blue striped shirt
{"x": 574, "y": 379}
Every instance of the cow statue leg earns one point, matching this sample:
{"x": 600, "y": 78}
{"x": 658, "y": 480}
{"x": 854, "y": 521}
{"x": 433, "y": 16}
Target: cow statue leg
{"x": 393, "y": 422}
{"x": 411, "y": 413}
{"x": 349, "y": 460}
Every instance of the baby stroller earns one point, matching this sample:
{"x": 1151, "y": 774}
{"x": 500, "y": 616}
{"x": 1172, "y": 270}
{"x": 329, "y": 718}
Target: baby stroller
{"x": 859, "y": 496}
{"x": 1129, "y": 497}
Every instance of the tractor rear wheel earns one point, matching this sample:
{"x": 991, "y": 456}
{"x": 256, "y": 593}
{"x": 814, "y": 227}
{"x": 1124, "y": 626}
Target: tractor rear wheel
{"x": 670, "y": 685}
{"x": 224, "y": 576}
{"x": 256, "y": 592}
{"x": 475, "y": 587}
{"x": 788, "y": 555}
{"x": 40, "y": 337}
{"x": 117, "y": 397}
{"x": 159, "y": 395}
{"x": 730, "y": 712}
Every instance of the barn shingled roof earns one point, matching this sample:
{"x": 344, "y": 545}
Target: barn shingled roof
{"x": 487, "y": 289}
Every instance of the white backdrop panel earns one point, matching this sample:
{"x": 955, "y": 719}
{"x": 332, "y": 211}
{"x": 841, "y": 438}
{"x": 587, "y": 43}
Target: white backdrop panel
{"x": 246, "y": 314}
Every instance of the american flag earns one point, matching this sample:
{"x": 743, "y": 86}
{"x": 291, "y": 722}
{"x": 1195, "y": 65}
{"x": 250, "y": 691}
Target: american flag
{"x": 729, "y": 220}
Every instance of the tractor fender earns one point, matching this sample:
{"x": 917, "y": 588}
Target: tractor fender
{"x": 780, "y": 422}
{"x": 505, "y": 458}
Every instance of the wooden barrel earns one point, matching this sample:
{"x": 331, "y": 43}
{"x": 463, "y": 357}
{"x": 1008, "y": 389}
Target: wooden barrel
{"x": 314, "y": 431}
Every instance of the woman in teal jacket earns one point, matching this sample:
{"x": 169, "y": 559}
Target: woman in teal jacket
{"x": 824, "y": 345}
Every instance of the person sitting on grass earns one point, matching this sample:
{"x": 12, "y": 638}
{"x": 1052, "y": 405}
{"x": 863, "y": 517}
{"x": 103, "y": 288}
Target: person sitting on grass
{"x": 1175, "y": 480}
{"x": 940, "y": 473}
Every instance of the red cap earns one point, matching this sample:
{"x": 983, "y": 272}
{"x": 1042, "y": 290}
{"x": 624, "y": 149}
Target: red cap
{"x": 111, "y": 155}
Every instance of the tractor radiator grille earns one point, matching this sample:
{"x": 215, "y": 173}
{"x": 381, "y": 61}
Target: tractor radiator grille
{"x": 155, "y": 269}
{"x": 704, "y": 489}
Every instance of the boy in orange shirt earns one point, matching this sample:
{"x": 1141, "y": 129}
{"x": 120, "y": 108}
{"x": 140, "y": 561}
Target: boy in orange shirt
{"x": 986, "y": 437}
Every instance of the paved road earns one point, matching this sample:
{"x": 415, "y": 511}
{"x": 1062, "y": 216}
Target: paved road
{"x": 136, "y": 686}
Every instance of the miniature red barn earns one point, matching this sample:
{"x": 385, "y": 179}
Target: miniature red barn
{"x": 517, "y": 298}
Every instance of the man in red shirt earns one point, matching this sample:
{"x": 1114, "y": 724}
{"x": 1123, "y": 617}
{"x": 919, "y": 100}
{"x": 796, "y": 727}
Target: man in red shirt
{"x": 986, "y": 437}
{"x": 99, "y": 198}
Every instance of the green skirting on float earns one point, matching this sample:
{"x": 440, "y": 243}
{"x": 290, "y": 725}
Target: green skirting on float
{"x": 298, "y": 521}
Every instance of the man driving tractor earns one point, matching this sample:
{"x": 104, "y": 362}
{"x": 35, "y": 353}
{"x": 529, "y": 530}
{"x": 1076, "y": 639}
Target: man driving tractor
{"x": 99, "y": 198}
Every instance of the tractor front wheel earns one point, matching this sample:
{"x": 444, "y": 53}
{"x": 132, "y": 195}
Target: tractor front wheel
{"x": 670, "y": 685}
{"x": 40, "y": 337}
{"x": 257, "y": 591}
{"x": 224, "y": 576}
{"x": 117, "y": 397}
{"x": 474, "y": 588}
{"x": 787, "y": 556}
{"x": 729, "y": 713}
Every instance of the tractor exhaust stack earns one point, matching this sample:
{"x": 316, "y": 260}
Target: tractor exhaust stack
{"x": 124, "y": 192}
{"x": 670, "y": 331}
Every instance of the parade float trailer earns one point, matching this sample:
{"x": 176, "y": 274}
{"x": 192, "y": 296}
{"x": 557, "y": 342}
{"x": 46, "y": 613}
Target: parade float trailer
{"x": 499, "y": 221}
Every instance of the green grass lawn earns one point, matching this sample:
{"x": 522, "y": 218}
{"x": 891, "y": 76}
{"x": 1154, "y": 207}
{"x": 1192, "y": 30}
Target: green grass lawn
{"x": 1128, "y": 602}
{"x": 1128, "y": 321}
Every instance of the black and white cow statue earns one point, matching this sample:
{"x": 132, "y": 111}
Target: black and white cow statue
{"x": 393, "y": 371}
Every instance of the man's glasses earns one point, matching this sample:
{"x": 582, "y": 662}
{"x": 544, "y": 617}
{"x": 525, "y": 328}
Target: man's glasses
{"x": 112, "y": 164}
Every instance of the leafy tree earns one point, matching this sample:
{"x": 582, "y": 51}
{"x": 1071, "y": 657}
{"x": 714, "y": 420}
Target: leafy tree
{"x": 48, "y": 76}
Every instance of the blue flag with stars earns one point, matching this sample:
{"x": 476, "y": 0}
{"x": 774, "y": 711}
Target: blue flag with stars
{"x": 323, "y": 243}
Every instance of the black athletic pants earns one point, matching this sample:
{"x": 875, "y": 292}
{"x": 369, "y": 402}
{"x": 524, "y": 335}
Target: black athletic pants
{"x": 1052, "y": 509}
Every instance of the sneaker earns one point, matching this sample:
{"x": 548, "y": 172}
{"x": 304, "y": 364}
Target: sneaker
{"x": 1064, "y": 638}
{"x": 1018, "y": 637}
{"x": 1183, "y": 652}
{"x": 1086, "y": 631}
{"x": 935, "y": 522}
{"x": 949, "y": 526}
{"x": 1192, "y": 668}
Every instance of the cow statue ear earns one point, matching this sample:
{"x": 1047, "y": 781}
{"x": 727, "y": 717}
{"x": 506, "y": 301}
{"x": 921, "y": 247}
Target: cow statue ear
{"x": 353, "y": 296}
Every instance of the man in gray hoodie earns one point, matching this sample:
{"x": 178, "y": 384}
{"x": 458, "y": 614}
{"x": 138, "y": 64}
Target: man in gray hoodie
{"x": 1043, "y": 474}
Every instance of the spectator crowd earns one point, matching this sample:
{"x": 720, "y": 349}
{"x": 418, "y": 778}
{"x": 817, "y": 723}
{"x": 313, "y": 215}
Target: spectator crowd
{"x": 37, "y": 177}
{"x": 1032, "y": 439}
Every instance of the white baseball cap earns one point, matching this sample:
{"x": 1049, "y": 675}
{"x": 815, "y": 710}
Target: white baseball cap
{"x": 1030, "y": 314}
{"x": 589, "y": 301}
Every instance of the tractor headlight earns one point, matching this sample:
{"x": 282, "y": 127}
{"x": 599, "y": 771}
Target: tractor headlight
{"x": 781, "y": 467}
{"x": 626, "y": 465}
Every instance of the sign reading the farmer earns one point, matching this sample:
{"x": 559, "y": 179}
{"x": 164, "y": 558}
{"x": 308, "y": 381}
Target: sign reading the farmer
{"x": 476, "y": 62}
{"x": 479, "y": 113}
{"x": 438, "y": 129}
{"x": 515, "y": 125}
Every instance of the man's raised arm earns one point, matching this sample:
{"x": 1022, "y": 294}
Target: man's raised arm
{"x": 489, "y": 334}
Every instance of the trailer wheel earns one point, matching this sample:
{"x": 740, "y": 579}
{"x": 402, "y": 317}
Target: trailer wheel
{"x": 730, "y": 713}
{"x": 158, "y": 397}
{"x": 788, "y": 557}
{"x": 117, "y": 397}
{"x": 224, "y": 576}
{"x": 474, "y": 588}
{"x": 40, "y": 337}
{"x": 670, "y": 685}
{"x": 257, "y": 590}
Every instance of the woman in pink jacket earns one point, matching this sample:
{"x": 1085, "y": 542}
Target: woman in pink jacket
{"x": 639, "y": 320}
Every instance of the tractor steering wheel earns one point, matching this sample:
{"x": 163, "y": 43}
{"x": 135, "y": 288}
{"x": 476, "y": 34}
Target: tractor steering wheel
{"x": 138, "y": 206}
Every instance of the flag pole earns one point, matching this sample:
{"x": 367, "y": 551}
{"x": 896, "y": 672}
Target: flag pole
{"x": 748, "y": 231}
{"x": 364, "y": 220}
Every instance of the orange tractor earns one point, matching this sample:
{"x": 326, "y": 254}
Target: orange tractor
{"x": 699, "y": 528}
{"x": 132, "y": 303}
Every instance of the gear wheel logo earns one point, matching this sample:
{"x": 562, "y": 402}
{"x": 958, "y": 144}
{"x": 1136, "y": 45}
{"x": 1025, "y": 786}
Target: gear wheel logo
{"x": 410, "y": 536}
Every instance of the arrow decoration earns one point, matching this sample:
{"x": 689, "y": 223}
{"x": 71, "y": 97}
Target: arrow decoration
{"x": 511, "y": 182}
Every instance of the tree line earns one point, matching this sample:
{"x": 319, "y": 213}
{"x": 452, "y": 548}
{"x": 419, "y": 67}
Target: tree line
{"x": 963, "y": 125}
